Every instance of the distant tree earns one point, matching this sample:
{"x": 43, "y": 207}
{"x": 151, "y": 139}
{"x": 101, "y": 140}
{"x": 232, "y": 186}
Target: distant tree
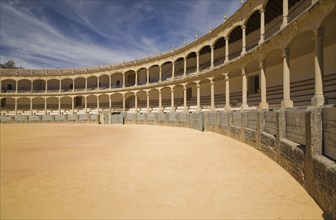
{"x": 10, "y": 64}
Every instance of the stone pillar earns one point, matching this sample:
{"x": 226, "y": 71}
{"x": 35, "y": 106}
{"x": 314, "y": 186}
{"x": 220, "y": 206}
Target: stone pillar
{"x": 286, "y": 102}
{"x": 136, "y": 78}
{"x": 160, "y": 73}
{"x": 72, "y": 105}
{"x": 31, "y": 106}
{"x": 160, "y": 100}
{"x": 147, "y": 75}
{"x": 16, "y": 86}
{"x": 197, "y": 61}
{"x": 32, "y": 86}
{"x": 45, "y": 106}
{"x": 135, "y": 102}
{"x": 98, "y": 104}
{"x": 147, "y": 93}
{"x": 124, "y": 104}
{"x": 212, "y": 56}
{"x": 109, "y": 82}
{"x": 15, "y": 106}
{"x": 262, "y": 26}
{"x": 227, "y": 92}
{"x": 284, "y": 13}
{"x": 318, "y": 98}
{"x": 98, "y": 83}
{"x": 172, "y": 99}
{"x": 73, "y": 85}
{"x": 86, "y": 83}
{"x": 198, "y": 86}
{"x": 244, "y": 90}
{"x": 185, "y": 67}
{"x": 185, "y": 98}
{"x": 263, "y": 103}
{"x": 124, "y": 81}
{"x": 46, "y": 87}
{"x": 85, "y": 104}
{"x": 243, "y": 27}
{"x": 212, "y": 88}
{"x": 110, "y": 102}
{"x": 226, "y": 50}
{"x": 173, "y": 70}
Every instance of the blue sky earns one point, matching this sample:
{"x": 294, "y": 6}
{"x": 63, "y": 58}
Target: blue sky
{"x": 79, "y": 33}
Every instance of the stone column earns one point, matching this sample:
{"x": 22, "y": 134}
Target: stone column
{"x": 110, "y": 102}
{"x": 109, "y": 82}
{"x": 97, "y": 104}
{"x": 284, "y": 13}
{"x": 31, "y": 106}
{"x": 98, "y": 83}
{"x": 173, "y": 70}
{"x": 15, "y": 106}
{"x": 45, "y": 106}
{"x": 286, "y": 102}
{"x": 185, "y": 109}
{"x": 262, "y": 26}
{"x": 244, "y": 90}
{"x": 73, "y": 85}
{"x": 226, "y": 50}
{"x": 85, "y": 104}
{"x": 136, "y": 78}
{"x": 124, "y": 105}
{"x": 212, "y": 88}
{"x": 243, "y": 27}
{"x": 124, "y": 81}
{"x": 135, "y": 102}
{"x": 160, "y": 73}
{"x": 185, "y": 67}
{"x": 172, "y": 99}
{"x": 198, "y": 86}
{"x": 46, "y": 87}
{"x": 160, "y": 100}
{"x": 32, "y": 86}
{"x": 197, "y": 62}
{"x": 147, "y": 93}
{"x": 147, "y": 75}
{"x": 72, "y": 105}
{"x": 86, "y": 83}
{"x": 212, "y": 56}
{"x": 318, "y": 98}
{"x": 16, "y": 86}
{"x": 263, "y": 104}
{"x": 227, "y": 92}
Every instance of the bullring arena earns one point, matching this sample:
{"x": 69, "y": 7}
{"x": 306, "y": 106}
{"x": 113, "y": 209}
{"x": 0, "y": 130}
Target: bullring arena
{"x": 240, "y": 123}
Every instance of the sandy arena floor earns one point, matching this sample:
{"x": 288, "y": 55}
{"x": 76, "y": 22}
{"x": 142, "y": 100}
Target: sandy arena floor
{"x": 136, "y": 171}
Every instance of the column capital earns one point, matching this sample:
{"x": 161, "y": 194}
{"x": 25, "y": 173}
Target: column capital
{"x": 212, "y": 47}
{"x": 243, "y": 27}
{"x": 262, "y": 10}
{"x": 226, "y": 38}
{"x": 243, "y": 71}
{"x": 262, "y": 64}
{"x": 318, "y": 34}
{"x": 211, "y": 80}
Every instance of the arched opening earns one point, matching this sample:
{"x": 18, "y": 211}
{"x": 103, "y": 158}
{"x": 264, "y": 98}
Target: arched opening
{"x": 191, "y": 63}
{"x": 219, "y": 51}
{"x": 39, "y": 85}
{"x": 166, "y": 99}
{"x": 205, "y": 94}
{"x": 117, "y": 102}
{"x": 66, "y": 104}
{"x": 24, "y": 85}
{"x": 7, "y": 105}
{"x": 252, "y": 71}
{"x": 235, "y": 42}
{"x": 142, "y": 76}
{"x": 92, "y": 83}
{"x": 52, "y": 103}
{"x": 67, "y": 84}
{"x": 38, "y": 103}
{"x": 142, "y": 101}
{"x": 91, "y": 102}
{"x": 235, "y": 88}
{"x": 79, "y": 102}
{"x": 104, "y": 82}
{"x": 80, "y": 83}
{"x": 205, "y": 58}
{"x": 130, "y": 78}
{"x": 104, "y": 102}
{"x": 23, "y": 104}
{"x": 8, "y": 85}
{"x": 166, "y": 69}
{"x": 253, "y": 31}
{"x": 53, "y": 85}
{"x": 116, "y": 80}
{"x": 154, "y": 100}
{"x": 129, "y": 101}
{"x": 179, "y": 67}
{"x": 178, "y": 98}
{"x": 154, "y": 74}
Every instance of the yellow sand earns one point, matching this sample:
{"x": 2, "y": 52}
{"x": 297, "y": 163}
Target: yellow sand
{"x": 136, "y": 171}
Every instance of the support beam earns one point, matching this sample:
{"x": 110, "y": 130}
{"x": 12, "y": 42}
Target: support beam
{"x": 73, "y": 85}
{"x": 147, "y": 75}
{"x": 173, "y": 70}
{"x": 212, "y": 94}
{"x": 124, "y": 81}
{"x": 172, "y": 99}
{"x": 318, "y": 98}
{"x": 263, "y": 104}
{"x": 185, "y": 67}
{"x": 110, "y": 102}
{"x": 262, "y": 26}
{"x": 160, "y": 100}
{"x": 15, "y": 106}
{"x": 212, "y": 56}
{"x": 124, "y": 104}
{"x": 286, "y": 102}
{"x": 98, "y": 104}
{"x": 243, "y": 27}
{"x": 86, "y": 84}
{"x": 135, "y": 102}
{"x": 72, "y": 105}
{"x": 284, "y": 13}
{"x": 160, "y": 73}
{"x": 85, "y": 104}
{"x": 45, "y": 106}
{"x": 46, "y": 87}
{"x": 226, "y": 50}
{"x": 59, "y": 105}
{"x": 198, "y": 86}
{"x": 147, "y": 94}
{"x": 110, "y": 82}
{"x": 16, "y": 86}
{"x": 185, "y": 108}
{"x": 197, "y": 62}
